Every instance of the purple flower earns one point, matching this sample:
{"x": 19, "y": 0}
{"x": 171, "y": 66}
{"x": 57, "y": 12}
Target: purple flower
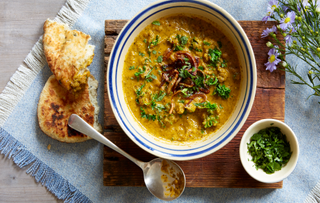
{"x": 288, "y": 20}
{"x": 272, "y": 5}
{"x": 265, "y": 18}
{"x": 266, "y": 32}
{"x": 305, "y": 3}
{"x": 272, "y": 60}
{"x": 288, "y": 39}
{"x": 285, "y": 8}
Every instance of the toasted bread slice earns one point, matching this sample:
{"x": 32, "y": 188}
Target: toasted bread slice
{"x": 56, "y": 104}
{"x": 68, "y": 54}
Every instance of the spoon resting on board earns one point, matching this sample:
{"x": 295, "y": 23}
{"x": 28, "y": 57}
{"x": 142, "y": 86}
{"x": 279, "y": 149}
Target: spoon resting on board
{"x": 163, "y": 178}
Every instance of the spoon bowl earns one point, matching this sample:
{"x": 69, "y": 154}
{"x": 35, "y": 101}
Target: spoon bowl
{"x": 170, "y": 174}
{"x": 163, "y": 178}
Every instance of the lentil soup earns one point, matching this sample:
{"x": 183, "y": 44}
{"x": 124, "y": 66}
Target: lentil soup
{"x": 181, "y": 78}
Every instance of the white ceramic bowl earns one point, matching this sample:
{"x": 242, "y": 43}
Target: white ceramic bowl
{"x": 245, "y": 157}
{"x": 236, "y": 35}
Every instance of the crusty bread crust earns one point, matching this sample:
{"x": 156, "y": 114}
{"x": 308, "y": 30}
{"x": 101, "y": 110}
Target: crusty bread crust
{"x": 68, "y": 54}
{"x": 56, "y": 104}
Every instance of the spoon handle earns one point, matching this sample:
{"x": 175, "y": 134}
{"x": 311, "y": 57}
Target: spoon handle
{"x": 77, "y": 123}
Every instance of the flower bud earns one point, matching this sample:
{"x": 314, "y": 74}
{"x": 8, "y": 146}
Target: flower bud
{"x": 281, "y": 15}
{"x": 284, "y": 34}
{"x": 300, "y": 19}
{"x": 302, "y": 49}
{"x": 294, "y": 42}
{"x": 318, "y": 49}
{"x": 284, "y": 64}
{"x": 269, "y": 44}
{"x": 310, "y": 72}
{"x": 303, "y": 37}
{"x": 278, "y": 26}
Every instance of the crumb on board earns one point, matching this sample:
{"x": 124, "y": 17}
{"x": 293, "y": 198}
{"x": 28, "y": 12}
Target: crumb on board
{"x": 49, "y": 146}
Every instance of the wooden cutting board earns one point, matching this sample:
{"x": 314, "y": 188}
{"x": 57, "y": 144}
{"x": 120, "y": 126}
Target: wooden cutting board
{"x": 221, "y": 169}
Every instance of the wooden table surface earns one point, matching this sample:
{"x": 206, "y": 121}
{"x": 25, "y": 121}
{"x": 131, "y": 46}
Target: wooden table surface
{"x": 20, "y": 27}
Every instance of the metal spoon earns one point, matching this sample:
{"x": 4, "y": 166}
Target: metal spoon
{"x": 163, "y": 178}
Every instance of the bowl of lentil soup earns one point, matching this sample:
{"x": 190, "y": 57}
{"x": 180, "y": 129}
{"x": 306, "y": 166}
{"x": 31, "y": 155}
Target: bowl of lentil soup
{"x": 181, "y": 79}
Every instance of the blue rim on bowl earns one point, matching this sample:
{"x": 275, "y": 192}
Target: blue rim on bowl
{"x": 116, "y": 95}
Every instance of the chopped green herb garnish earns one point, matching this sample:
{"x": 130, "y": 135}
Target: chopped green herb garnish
{"x": 206, "y": 105}
{"x": 214, "y": 54}
{"x": 149, "y": 76}
{"x": 210, "y": 121}
{"x": 154, "y": 52}
{"x": 185, "y": 73}
{"x": 183, "y": 40}
{"x": 201, "y": 67}
{"x": 139, "y": 90}
{"x": 178, "y": 48}
{"x": 184, "y": 91}
{"x": 269, "y": 149}
{"x": 147, "y": 116}
{"x": 131, "y": 68}
{"x": 145, "y": 40}
{"x": 155, "y": 41}
{"x": 198, "y": 81}
{"x": 160, "y": 96}
{"x": 224, "y": 64}
{"x": 147, "y": 60}
{"x": 206, "y": 43}
{"x": 156, "y": 23}
{"x": 222, "y": 91}
{"x": 212, "y": 81}
{"x": 160, "y": 107}
{"x": 141, "y": 54}
{"x": 159, "y": 59}
{"x": 137, "y": 74}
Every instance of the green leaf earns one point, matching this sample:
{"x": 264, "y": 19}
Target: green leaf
{"x": 269, "y": 149}
{"x": 147, "y": 116}
{"x": 316, "y": 87}
{"x": 212, "y": 81}
{"x": 156, "y": 23}
{"x": 160, "y": 59}
{"x": 214, "y": 54}
{"x": 141, "y": 54}
{"x": 155, "y": 41}
{"x": 140, "y": 71}
{"x": 206, "y": 43}
{"x": 222, "y": 91}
